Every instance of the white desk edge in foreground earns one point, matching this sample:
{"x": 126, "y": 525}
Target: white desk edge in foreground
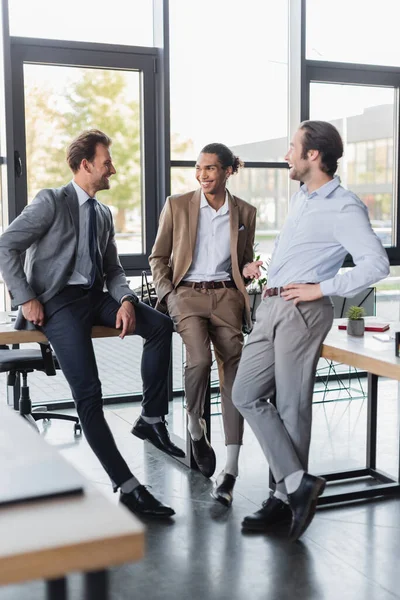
{"x": 47, "y": 539}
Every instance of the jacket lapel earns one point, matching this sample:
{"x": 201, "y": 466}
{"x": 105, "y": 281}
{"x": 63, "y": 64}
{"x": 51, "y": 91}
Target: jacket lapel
{"x": 71, "y": 200}
{"x": 194, "y": 209}
{"x": 234, "y": 227}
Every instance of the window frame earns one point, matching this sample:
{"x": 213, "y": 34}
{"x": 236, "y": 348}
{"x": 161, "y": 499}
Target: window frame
{"x": 368, "y": 75}
{"x": 91, "y": 55}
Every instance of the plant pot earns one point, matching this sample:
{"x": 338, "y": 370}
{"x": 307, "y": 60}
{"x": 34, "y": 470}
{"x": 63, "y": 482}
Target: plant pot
{"x": 356, "y": 327}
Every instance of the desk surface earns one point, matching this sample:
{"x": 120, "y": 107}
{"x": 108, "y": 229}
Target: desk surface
{"x": 46, "y": 539}
{"x": 365, "y": 353}
{"x": 9, "y": 335}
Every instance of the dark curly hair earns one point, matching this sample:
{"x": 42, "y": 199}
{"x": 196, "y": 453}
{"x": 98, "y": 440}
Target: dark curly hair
{"x": 324, "y": 137}
{"x": 225, "y": 156}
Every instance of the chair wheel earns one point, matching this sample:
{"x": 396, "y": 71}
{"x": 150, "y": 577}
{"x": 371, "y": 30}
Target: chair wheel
{"x": 77, "y": 429}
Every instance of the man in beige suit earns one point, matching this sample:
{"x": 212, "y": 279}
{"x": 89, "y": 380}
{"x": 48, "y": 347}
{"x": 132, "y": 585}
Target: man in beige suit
{"x": 203, "y": 250}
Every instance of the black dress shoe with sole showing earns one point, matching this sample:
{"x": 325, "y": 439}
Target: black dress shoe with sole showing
{"x": 157, "y": 434}
{"x": 273, "y": 513}
{"x": 142, "y": 503}
{"x": 204, "y": 455}
{"x": 303, "y": 503}
{"x": 224, "y": 492}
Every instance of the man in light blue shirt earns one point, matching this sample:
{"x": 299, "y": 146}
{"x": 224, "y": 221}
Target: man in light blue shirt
{"x": 325, "y": 222}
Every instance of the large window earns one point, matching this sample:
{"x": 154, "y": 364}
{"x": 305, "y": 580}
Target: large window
{"x": 127, "y": 22}
{"x": 359, "y": 31}
{"x": 66, "y": 88}
{"x": 229, "y": 73}
{"x": 62, "y": 101}
{"x": 365, "y": 118}
{"x": 235, "y": 91}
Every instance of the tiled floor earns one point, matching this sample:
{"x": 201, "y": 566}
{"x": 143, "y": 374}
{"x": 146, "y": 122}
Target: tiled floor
{"x": 349, "y": 552}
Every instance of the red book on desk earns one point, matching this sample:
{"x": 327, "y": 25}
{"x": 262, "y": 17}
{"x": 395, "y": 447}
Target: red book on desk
{"x": 370, "y": 325}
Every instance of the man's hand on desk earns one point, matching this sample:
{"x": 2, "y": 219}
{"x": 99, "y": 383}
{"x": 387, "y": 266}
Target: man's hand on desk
{"x": 33, "y": 311}
{"x": 301, "y": 292}
{"x": 126, "y": 319}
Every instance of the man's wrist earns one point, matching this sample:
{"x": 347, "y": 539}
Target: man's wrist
{"x": 131, "y": 299}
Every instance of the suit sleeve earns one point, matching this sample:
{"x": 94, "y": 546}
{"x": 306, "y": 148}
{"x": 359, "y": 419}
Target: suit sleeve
{"x": 160, "y": 257}
{"x": 115, "y": 277}
{"x": 29, "y": 227}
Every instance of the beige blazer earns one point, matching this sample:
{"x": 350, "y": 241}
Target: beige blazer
{"x": 172, "y": 253}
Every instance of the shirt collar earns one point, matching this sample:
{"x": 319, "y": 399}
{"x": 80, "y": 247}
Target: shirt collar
{"x": 324, "y": 190}
{"x": 82, "y": 195}
{"x": 224, "y": 208}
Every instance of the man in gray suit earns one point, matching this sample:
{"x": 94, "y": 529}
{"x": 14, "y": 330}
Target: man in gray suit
{"x": 71, "y": 254}
{"x": 325, "y": 222}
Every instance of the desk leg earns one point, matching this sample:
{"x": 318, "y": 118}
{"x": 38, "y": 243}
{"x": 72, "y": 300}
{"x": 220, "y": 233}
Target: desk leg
{"x": 56, "y": 589}
{"x": 372, "y": 420}
{"x": 96, "y": 585}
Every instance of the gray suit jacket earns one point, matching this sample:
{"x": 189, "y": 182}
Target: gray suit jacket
{"x": 48, "y": 230}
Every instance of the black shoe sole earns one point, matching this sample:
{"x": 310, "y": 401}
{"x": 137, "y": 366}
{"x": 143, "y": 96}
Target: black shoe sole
{"x": 264, "y": 528}
{"x": 221, "y": 499}
{"x": 148, "y": 515}
{"x": 294, "y": 536}
{"x": 141, "y": 436}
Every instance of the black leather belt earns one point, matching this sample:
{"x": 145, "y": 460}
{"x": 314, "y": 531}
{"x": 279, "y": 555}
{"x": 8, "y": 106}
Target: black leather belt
{"x": 207, "y": 285}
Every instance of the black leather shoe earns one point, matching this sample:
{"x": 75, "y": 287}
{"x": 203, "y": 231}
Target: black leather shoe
{"x": 141, "y": 502}
{"x": 157, "y": 434}
{"x": 224, "y": 492}
{"x": 272, "y": 513}
{"x": 204, "y": 455}
{"x": 303, "y": 503}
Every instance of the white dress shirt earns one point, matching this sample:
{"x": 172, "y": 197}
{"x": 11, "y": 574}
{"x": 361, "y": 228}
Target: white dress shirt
{"x": 212, "y": 253}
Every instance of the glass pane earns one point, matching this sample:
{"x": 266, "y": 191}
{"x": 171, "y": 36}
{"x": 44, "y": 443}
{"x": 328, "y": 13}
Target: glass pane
{"x": 60, "y": 102}
{"x": 365, "y": 118}
{"x": 126, "y": 22}
{"x": 267, "y": 189}
{"x": 388, "y": 296}
{"x": 233, "y": 90}
{"x": 360, "y": 31}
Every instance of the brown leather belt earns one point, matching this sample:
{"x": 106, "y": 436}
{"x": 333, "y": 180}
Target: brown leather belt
{"x": 207, "y": 285}
{"x": 276, "y": 291}
{"x": 273, "y": 291}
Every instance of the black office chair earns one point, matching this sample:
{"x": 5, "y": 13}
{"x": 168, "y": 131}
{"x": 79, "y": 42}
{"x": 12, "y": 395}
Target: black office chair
{"x": 20, "y": 363}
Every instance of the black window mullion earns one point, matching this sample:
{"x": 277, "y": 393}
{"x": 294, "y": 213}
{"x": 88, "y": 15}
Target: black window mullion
{"x": 247, "y": 163}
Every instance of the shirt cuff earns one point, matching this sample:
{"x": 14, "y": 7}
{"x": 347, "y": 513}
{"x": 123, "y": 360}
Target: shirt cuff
{"x": 327, "y": 287}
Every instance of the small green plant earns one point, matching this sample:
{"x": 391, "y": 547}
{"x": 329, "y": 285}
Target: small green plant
{"x": 355, "y": 313}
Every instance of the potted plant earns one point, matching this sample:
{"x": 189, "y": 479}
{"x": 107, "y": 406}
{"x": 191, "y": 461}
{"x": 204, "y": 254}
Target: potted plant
{"x": 255, "y": 287}
{"x": 355, "y": 323}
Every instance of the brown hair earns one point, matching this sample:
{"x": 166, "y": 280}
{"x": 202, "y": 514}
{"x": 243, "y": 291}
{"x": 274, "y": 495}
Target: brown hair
{"x": 324, "y": 137}
{"x": 84, "y": 146}
{"x": 225, "y": 156}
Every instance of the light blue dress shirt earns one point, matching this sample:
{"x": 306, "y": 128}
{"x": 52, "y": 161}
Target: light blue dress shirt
{"x": 83, "y": 263}
{"x": 320, "y": 229}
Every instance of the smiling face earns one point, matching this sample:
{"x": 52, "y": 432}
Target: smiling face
{"x": 211, "y": 175}
{"x": 299, "y": 167}
{"x": 101, "y": 168}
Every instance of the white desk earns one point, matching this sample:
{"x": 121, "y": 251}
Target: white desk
{"x": 378, "y": 359}
{"x": 47, "y": 539}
